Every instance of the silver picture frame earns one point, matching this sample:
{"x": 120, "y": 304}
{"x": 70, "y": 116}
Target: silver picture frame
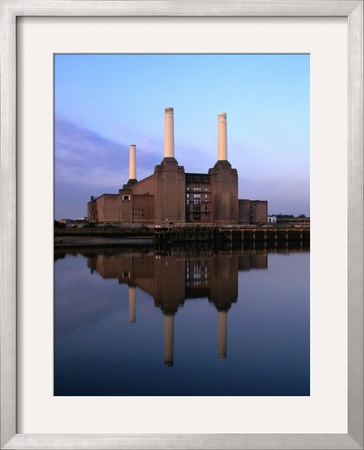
{"x": 352, "y": 10}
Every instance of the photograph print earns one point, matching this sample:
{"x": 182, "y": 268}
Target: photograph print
{"x": 182, "y": 225}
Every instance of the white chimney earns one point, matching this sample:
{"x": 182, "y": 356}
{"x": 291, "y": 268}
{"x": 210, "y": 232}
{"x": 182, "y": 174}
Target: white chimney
{"x": 132, "y": 162}
{"x": 222, "y": 138}
{"x": 169, "y": 134}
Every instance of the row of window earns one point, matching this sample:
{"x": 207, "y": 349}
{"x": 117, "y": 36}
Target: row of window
{"x": 196, "y": 202}
{"x": 189, "y": 196}
{"x": 197, "y": 188}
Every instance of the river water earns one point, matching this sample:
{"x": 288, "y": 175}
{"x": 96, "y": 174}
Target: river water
{"x": 184, "y": 322}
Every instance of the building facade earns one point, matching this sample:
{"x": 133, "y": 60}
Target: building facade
{"x": 170, "y": 195}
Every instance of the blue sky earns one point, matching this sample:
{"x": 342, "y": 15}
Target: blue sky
{"x": 104, "y": 103}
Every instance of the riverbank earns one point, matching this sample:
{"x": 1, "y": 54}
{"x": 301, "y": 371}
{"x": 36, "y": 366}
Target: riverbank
{"x": 109, "y": 236}
{"x": 95, "y": 241}
{"x": 118, "y": 236}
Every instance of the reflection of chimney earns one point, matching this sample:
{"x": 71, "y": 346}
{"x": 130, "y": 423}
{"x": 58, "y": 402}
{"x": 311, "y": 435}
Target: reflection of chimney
{"x": 222, "y": 138}
{"x": 132, "y": 162}
{"x": 132, "y": 304}
{"x": 168, "y": 134}
{"x": 222, "y": 333}
{"x": 168, "y": 339}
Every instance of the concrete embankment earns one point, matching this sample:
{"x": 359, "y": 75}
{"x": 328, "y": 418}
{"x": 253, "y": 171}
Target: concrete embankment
{"x": 102, "y": 237}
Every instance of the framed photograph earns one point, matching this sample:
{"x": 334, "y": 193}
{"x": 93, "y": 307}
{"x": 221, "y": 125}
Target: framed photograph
{"x": 42, "y": 40}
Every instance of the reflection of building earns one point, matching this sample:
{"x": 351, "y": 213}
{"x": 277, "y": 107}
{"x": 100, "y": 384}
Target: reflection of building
{"x": 170, "y": 195}
{"x": 173, "y": 279}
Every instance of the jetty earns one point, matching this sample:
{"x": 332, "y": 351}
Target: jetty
{"x": 224, "y": 234}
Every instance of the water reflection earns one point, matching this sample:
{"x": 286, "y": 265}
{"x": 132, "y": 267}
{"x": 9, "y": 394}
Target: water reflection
{"x": 259, "y": 316}
{"x": 173, "y": 278}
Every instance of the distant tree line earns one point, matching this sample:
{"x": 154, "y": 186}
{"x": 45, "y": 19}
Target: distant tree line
{"x": 287, "y": 216}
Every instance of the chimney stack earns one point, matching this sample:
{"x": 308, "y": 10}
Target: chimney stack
{"x": 169, "y": 133}
{"x": 132, "y": 162}
{"x": 222, "y": 138}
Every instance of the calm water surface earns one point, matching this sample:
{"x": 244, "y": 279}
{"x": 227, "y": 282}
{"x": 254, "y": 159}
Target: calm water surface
{"x": 185, "y": 323}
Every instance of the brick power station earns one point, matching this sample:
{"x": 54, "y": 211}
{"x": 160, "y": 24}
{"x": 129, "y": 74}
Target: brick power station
{"x": 172, "y": 196}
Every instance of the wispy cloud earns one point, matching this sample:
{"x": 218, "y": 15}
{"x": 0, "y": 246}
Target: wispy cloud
{"x": 87, "y": 163}
{"x": 81, "y": 153}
